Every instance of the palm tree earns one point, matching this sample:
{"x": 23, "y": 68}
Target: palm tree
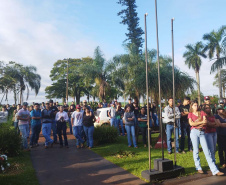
{"x": 223, "y": 81}
{"x": 216, "y": 45}
{"x": 192, "y": 57}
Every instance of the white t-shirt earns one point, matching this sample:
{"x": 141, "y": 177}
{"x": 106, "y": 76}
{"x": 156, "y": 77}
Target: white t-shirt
{"x": 23, "y": 114}
{"x": 78, "y": 117}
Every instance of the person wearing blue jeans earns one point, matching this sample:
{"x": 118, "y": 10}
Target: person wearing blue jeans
{"x": 211, "y": 132}
{"x": 198, "y": 121}
{"x": 47, "y": 118}
{"x": 169, "y": 113}
{"x": 23, "y": 116}
{"x": 130, "y": 127}
{"x": 77, "y": 119}
{"x": 36, "y": 117}
{"x": 111, "y": 114}
{"x": 70, "y": 111}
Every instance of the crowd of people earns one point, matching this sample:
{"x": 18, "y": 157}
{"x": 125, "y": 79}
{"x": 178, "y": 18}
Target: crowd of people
{"x": 202, "y": 124}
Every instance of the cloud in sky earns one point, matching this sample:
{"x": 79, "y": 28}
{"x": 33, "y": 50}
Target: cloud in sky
{"x": 27, "y": 40}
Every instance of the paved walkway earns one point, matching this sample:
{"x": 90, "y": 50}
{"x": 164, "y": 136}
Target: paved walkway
{"x": 77, "y": 166}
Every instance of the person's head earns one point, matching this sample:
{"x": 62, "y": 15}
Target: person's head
{"x": 3, "y": 108}
{"x": 220, "y": 110}
{"x": 104, "y": 101}
{"x": 71, "y": 107}
{"x": 50, "y": 103}
{"x": 142, "y": 110}
{"x": 43, "y": 103}
{"x": 61, "y": 108}
{"x": 7, "y": 106}
{"x": 72, "y": 103}
{"x": 128, "y": 109}
{"x": 221, "y": 102}
{"x": 65, "y": 103}
{"x": 207, "y": 109}
{"x": 178, "y": 102}
{"x": 87, "y": 110}
{"x": 36, "y": 106}
{"x": 194, "y": 106}
{"x": 57, "y": 103}
{"x": 78, "y": 108}
{"x": 84, "y": 102}
{"x": 207, "y": 100}
{"x": 170, "y": 101}
{"x": 31, "y": 108}
{"x": 47, "y": 105}
{"x": 186, "y": 101}
{"x": 113, "y": 105}
{"x": 25, "y": 104}
{"x": 130, "y": 100}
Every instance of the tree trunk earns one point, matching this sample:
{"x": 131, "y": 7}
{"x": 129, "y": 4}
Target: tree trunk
{"x": 198, "y": 86}
{"x": 223, "y": 87}
{"x": 21, "y": 96}
{"x": 14, "y": 92}
{"x": 219, "y": 81}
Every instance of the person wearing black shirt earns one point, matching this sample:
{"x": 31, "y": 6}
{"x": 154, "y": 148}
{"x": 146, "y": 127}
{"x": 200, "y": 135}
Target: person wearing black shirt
{"x": 119, "y": 116}
{"x": 130, "y": 104}
{"x": 53, "y": 127}
{"x": 185, "y": 127}
{"x": 88, "y": 126}
{"x": 65, "y": 107}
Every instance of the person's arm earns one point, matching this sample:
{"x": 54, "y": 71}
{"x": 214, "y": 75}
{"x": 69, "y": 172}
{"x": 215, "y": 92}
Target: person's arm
{"x": 168, "y": 112}
{"x": 23, "y": 119}
{"x": 198, "y": 123}
{"x": 220, "y": 124}
{"x": 56, "y": 117}
{"x": 109, "y": 113}
{"x": 177, "y": 112}
{"x": 131, "y": 119}
{"x": 66, "y": 117}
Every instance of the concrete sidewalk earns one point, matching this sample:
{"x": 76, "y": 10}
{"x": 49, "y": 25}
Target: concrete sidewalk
{"x": 77, "y": 166}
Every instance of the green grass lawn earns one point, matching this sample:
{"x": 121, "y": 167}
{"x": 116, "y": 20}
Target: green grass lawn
{"x": 21, "y": 171}
{"x": 137, "y": 161}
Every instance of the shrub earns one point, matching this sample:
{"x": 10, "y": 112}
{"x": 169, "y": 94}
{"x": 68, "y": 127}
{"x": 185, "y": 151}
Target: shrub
{"x": 10, "y": 141}
{"x": 105, "y": 134}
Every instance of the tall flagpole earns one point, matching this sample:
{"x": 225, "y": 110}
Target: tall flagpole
{"x": 160, "y": 107}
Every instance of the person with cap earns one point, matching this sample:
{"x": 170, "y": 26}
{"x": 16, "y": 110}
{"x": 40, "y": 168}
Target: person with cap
{"x": 185, "y": 127}
{"x": 197, "y": 120}
{"x": 130, "y": 104}
{"x": 53, "y": 126}
{"x": 24, "y": 118}
{"x": 76, "y": 119}
{"x": 210, "y": 131}
{"x": 36, "y": 116}
{"x": 221, "y": 135}
{"x": 61, "y": 119}
{"x": 3, "y": 115}
{"x": 47, "y": 120}
{"x": 169, "y": 114}
{"x": 207, "y": 102}
{"x": 221, "y": 103}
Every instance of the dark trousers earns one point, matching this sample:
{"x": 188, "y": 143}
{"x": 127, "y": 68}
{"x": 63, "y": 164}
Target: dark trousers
{"x": 221, "y": 140}
{"x": 185, "y": 129}
{"x": 61, "y": 126}
{"x": 35, "y": 131}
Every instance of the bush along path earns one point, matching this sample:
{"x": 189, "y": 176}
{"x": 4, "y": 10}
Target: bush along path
{"x": 76, "y": 166}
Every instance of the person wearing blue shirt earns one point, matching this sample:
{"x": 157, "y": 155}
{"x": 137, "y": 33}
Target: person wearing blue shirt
{"x": 36, "y": 116}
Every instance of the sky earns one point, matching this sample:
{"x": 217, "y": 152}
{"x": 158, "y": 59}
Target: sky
{"x": 40, "y": 32}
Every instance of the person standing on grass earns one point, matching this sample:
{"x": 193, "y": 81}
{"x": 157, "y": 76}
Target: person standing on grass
{"x": 221, "y": 135}
{"x": 88, "y": 126}
{"x": 197, "y": 120}
{"x": 119, "y": 116}
{"x": 36, "y": 116}
{"x": 210, "y": 131}
{"x": 130, "y": 104}
{"x": 24, "y": 118}
{"x": 76, "y": 119}
{"x": 185, "y": 127}
{"x": 143, "y": 124}
{"x": 53, "y": 126}
{"x": 170, "y": 125}
{"x": 61, "y": 119}
{"x": 70, "y": 111}
{"x": 130, "y": 126}
{"x": 47, "y": 120}
{"x": 111, "y": 114}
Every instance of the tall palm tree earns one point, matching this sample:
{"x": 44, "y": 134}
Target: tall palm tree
{"x": 216, "y": 45}
{"x": 223, "y": 81}
{"x": 192, "y": 57}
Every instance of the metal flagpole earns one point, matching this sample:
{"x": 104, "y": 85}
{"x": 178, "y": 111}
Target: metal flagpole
{"x": 160, "y": 107}
{"x": 148, "y": 114}
{"x": 175, "y": 159}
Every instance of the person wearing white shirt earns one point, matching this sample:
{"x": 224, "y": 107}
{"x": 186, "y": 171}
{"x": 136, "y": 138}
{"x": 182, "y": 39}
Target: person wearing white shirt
{"x": 3, "y": 115}
{"x": 61, "y": 119}
{"x": 76, "y": 120}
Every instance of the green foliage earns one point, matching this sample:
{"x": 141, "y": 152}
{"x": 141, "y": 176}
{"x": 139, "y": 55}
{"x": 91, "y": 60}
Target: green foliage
{"x": 10, "y": 141}
{"x": 130, "y": 18}
{"x": 105, "y": 134}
